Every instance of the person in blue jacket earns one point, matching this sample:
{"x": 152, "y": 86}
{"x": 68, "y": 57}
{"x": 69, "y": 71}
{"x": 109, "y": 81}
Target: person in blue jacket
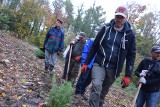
{"x": 149, "y": 73}
{"x": 53, "y": 45}
{"x": 85, "y": 77}
{"x": 114, "y": 44}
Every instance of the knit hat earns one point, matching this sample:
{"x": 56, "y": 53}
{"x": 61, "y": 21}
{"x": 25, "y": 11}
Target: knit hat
{"x": 121, "y": 11}
{"x": 155, "y": 49}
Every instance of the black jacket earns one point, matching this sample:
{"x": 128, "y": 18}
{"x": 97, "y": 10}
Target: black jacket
{"x": 125, "y": 51}
{"x": 152, "y": 77}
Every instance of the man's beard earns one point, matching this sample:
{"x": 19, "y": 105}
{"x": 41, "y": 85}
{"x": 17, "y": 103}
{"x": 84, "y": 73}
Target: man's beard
{"x": 119, "y": 25}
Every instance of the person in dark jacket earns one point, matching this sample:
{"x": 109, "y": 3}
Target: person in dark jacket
{"x": 114, "y": 43}
{"x": 53, "y": 45}
{"x": 75, "y": 60}
{"x": 64, "y": 75}
{"x": 85, "y": 77}
{"x": 149, "y": 73}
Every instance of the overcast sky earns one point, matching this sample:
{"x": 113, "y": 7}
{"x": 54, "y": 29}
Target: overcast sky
{"x": 110, "y": 5}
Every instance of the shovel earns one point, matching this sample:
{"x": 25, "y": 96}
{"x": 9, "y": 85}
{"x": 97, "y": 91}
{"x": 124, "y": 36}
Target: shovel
{"x": 135, "y": 98}
{"x": 139, "y": 87}
{"x": 69, "y": 60}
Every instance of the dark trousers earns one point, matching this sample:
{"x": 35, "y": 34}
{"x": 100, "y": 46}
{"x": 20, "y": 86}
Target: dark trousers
{"x": 65, "y": 68}
{"x": 73, "y": 70}
{"x": 83, "y": 82}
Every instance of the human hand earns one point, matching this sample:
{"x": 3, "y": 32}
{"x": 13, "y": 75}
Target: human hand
{"x": 125, "y": 81}
{"x": 143, "y": 73}
{"x": 59, "y": 52}
{"x": 142, "y": 80}
{"x": 78, "y": 58}
{"x": 84, "y": 68}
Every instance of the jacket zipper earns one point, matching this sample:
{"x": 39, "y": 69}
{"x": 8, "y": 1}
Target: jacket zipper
{"x": 119, "y": 53}
{"x": 112, "y": 49}
{"x": 101, "y": 45}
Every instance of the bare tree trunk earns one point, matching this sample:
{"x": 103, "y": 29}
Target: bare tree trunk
{"x": 1, "y": 1}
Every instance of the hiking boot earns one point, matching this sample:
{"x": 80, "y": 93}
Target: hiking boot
{"x": 51, "y": 68}
{"x": 81, "y": 97}
{"x": 50, "y": 73}
{"x": 78, "y": 97}
{"x": 46, "y": 69}
{"x": 84, "y": 97}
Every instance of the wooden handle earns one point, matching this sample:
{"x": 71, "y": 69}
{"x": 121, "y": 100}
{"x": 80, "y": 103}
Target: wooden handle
{"x": 135, "y": 98}
{"x": 69, "y": 60}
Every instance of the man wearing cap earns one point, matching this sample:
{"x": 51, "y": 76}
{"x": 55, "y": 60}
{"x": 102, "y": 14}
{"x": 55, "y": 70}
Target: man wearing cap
{"x": 53, "y": 45}
{"x": 75, "y": 60}
{"x": 149, "y": 73}
{"x": 114, "y": 43}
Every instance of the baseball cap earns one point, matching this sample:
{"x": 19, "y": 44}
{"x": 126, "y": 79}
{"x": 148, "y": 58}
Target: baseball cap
{"x": 82, "y": 34}
{"x": 121, "y": 10}
{"x": 155, "y": 49}
{"x": 59, "y": 20}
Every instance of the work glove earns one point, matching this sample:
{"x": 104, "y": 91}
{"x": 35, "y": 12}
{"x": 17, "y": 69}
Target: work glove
{"x": 78, "y": 58}
{"x": 59, "y": 52}
{"x": 143, "y": 73}
{"x": 142, "y": 80}
{"x": 84, "y": 68}
{"x": 125, "y": 81}
{"x": 72, "y": 42}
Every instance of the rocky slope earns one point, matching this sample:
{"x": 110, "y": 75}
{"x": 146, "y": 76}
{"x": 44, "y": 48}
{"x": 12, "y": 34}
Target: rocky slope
{"x": 23, "y": 82}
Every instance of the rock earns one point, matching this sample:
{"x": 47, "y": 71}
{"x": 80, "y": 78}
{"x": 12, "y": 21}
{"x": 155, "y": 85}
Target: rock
{"x": 5, "y": 62}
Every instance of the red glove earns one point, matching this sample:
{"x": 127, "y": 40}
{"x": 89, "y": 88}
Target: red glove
{"x": 125, "y": 81}
{"x": 59, "y": 52}
{"x": 72, "y": 42}
{"x": 78, "y": 58}
{"x": 84, "y": 68}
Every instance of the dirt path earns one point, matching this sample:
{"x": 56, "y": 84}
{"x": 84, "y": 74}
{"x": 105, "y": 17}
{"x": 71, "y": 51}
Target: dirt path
{"x": 24, "y": 84}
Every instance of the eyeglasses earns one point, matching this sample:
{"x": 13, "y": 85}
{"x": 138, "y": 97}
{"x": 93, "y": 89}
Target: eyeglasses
{"x": 119, "y": 17}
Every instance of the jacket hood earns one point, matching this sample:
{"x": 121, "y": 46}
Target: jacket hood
{"x": 150, "y": 59}
{"x": 127, "y": 26}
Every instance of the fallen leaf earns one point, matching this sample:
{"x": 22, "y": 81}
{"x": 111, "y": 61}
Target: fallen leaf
{"x": 3, "y": 94}
{"x": 23, "y": 105}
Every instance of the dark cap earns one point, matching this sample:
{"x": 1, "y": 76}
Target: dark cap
{"x": 82, "y": 34}
{"x": 155, "y": 49}
{"x": 59, "y": 20}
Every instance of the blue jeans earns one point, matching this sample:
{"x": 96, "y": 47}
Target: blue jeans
{"x": 83, "y": 81}
{"x": 151, "y": 99}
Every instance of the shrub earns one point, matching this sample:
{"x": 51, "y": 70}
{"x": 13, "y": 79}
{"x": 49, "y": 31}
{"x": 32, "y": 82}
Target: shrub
{"x": 39, "y": 54}
{"x": 60, "y": 94}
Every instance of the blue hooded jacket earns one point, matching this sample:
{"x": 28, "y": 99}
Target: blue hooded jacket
{"x": 85, "y": 52}
{"x": 113, "y": 48}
